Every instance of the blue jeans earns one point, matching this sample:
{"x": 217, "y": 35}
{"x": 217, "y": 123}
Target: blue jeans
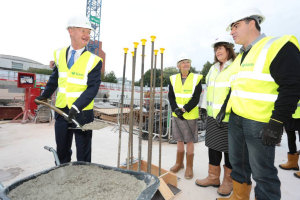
{"x": 248, "y": 156}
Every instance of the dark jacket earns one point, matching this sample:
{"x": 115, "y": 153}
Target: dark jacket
{"x": 93, "y": 84}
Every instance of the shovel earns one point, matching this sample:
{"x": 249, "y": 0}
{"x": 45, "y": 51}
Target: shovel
{"x": 91, "y": 126}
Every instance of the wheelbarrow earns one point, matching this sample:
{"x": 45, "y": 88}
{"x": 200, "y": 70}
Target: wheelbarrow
{"x": 152, "y": 182}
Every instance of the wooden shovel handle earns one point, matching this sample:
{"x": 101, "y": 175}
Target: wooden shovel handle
{"x": 52, "y": 107}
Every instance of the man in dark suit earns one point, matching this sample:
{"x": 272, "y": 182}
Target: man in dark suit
{"x": 76, "y": 77}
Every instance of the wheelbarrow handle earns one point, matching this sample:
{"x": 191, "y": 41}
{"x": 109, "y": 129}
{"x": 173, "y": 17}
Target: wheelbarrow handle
{"x": 57, "y": 162}
{"x": 60, "y": 112}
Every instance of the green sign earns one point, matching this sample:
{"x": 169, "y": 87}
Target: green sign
{"x": 95, "y": 19}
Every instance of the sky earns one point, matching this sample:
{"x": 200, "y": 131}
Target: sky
{"x": 35, "y": 28}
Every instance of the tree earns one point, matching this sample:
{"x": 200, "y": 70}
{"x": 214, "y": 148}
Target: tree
{"x": 193, "y": 69}
{"x": 110, "y": 77}
{"x": 102, "y": 76}
{"x": 168, "y": 71}
{"x": 137, "y": 83}
{"x": 40, "y": 71}
{"x": 147, "y": 77}
{"x": 205, "y": 70}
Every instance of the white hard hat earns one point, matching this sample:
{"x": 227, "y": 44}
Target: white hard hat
{"x": 79, "y": 21}
{"x": 248, "y": 13}
{"x": 183, "y": 57}
{"x": 224, "y": 38}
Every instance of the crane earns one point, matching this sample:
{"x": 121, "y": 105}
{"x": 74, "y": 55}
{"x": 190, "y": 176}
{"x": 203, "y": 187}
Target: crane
{"x": 93, "y": 12}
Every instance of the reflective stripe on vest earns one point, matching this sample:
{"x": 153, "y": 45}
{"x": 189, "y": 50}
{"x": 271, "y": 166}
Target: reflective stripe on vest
{"x": 254, "y": 91}
{"x": 73, "y": 82}
{"x": 63, "y": 74}
{"x": 183, "y": 93}
{"x": 215, "y": 106}
{"x": 56, "y": 56}
{"x": 218, "y": 85}
{"x": 296, "y": 115}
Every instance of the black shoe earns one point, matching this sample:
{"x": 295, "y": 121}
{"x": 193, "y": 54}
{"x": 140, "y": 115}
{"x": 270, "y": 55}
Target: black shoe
{"x": 172, "y": 141}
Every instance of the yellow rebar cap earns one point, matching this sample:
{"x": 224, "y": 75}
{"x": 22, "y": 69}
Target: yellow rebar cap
{"x": 143, "y": 41}
{"x": 155, "y": 51}
{"x": 135, "y": 44}
{"x": 152, "y": 38}
{"x": 125, "y": 50}
{"x": 162, "y": 50}
{"x": 132, "y": 53}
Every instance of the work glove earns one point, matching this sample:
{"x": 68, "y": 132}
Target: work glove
{"x": 203, "y": 111}
{"x": 72, "y": 114}
{"x": 220, "y": 117}
{"x": 41, "y": 98}
{"x": 179, "y": 113}
{"x": 221, "y": 114}
{"x": 203, "y": 114}
{"x": 272, "y": 132}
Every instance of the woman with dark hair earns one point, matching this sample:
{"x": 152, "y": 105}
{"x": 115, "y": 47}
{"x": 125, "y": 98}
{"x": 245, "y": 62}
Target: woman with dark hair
{"x": 216, "y": 139}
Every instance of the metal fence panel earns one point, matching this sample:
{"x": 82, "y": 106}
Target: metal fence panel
{"x": 109, "y": 109}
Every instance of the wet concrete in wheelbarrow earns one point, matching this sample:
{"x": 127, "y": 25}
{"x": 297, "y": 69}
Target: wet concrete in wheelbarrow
{"x": 80, "y": 182}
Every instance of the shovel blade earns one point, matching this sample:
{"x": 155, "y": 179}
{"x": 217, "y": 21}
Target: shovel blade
{"x": 95, "y": 125}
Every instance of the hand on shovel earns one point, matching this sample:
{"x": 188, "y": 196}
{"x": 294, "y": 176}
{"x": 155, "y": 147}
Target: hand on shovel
{"x": 72, "y": 114}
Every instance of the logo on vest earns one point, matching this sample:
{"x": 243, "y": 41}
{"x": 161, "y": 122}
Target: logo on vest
{"x": 77, "y": 74}
{"x": 247, "y": 65}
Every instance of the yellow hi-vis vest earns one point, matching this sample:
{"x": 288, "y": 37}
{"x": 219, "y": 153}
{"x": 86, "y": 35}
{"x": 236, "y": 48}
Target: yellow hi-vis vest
{"x": 184, "y": 93}
{"x": 254, "y": 91}
{"x": 73, "y": 82}
{"x": 296, "y": 115}
{"x": 218, "y": 85}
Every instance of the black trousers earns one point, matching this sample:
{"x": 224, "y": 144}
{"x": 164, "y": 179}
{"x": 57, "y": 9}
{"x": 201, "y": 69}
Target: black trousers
{"x": 64, "y": 137}
{"x": 291, "y": 135}
{"x": 215, "y": 158}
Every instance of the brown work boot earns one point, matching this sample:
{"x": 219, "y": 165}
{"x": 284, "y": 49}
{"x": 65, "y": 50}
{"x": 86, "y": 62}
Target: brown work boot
{"x": 226, "y": 186}
{"x": 213, "y": 178}
{"x": 189, "y": 174}
{"x": 297, "y": 174}
{"x": 179, "y": 162}
{"x": 240, "y": 192}
{"x": 292, "y": 162}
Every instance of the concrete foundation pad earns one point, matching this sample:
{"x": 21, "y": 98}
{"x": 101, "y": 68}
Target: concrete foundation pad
{"x": 21, "y": 146}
